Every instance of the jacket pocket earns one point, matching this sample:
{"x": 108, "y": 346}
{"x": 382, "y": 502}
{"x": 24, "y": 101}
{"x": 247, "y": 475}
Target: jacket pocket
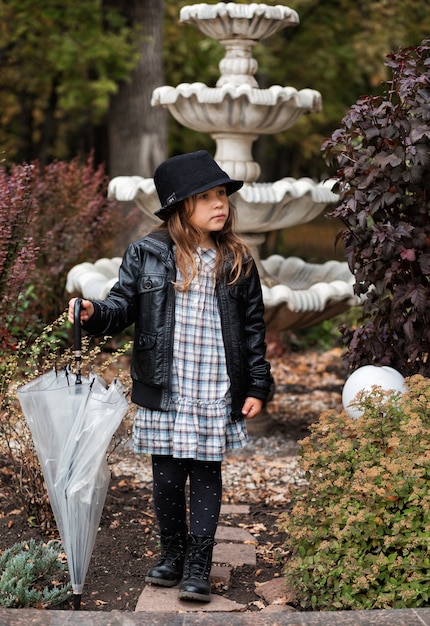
{"x": 148, "y": 283}
{"x": 143, "y": 364}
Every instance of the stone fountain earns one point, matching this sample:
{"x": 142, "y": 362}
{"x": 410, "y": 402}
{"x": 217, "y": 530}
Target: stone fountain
{"x": 235, "y": 113}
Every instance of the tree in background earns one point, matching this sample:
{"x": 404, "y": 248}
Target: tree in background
{"x": 61, "y": 63}
{"x": 137, "y": 131}
{"x": 80, "y": 75}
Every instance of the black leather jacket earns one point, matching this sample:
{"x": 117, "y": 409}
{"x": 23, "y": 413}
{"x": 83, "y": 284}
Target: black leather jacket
{"x": 144, "y": 295}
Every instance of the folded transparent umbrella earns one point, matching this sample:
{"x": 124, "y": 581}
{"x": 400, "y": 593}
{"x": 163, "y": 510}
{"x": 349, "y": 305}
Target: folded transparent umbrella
{"x": 72, "y": 419}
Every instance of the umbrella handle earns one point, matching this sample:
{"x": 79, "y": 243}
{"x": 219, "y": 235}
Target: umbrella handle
{"x": 77, "y": 338}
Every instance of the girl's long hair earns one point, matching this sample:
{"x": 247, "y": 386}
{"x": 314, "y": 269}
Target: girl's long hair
{"x": 187, "y": 238}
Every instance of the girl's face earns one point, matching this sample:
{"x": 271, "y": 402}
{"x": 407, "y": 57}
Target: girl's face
{"x": 210, "y": 211}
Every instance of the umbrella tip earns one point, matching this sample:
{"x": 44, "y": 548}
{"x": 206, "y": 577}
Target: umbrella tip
{"x": 77, "y": 601}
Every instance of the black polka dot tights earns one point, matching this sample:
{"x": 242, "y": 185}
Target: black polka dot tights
{"x": 169, "y": 480}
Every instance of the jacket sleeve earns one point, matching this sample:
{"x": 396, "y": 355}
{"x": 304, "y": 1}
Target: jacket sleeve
{"x": 260, "y": 378}
{"x": 118, "y": 310}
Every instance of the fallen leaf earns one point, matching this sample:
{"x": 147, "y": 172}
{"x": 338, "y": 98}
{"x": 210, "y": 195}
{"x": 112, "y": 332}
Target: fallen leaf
{"x": 259, "y": 604}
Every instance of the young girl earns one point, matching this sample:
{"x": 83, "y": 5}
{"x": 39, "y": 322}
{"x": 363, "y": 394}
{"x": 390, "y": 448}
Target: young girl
{"x": 198, "y": 366}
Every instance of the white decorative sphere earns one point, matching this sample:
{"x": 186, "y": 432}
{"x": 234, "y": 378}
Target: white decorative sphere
{"x": 364, "y": 379}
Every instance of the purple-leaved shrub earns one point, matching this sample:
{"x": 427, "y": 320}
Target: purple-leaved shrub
{"x": 51, "y": 218}
{"x": 382, "y": 151}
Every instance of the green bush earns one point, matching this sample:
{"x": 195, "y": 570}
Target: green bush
{"x": 359, "y": 531}
{"x": 31, "y": 575}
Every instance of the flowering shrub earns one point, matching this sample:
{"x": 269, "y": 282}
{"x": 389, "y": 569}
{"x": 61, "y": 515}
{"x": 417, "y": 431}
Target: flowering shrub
{"x": 383, "y": 155}
{"x": 359, "y": 532}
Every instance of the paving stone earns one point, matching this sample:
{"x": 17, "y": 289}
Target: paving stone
{"x": 272, "y": 590}
{"x": 221, "y": 574}
{"x": 235, "y": 509}
{"x": 231, "y": 533}
{"x": 277, "y": 608}
{"x": 158, "y": 599}
{"x": 235, "y": 554}
{"x": 396, "y": 617}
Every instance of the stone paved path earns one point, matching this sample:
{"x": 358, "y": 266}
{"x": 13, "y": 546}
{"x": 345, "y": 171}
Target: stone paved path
{"x": 235, "y": 547}
{"x": 161, "y": 607}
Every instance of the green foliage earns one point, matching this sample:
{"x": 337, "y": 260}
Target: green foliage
{"x": 62, "y": 63}
{"x": 338, "y": 49}
{"x": 322, "y": 336}
{"x": 66, "y": 59}
{"x": 341, "y": 57}
{"x": 359, "y": 531}
{"x": 382, "y": 150}
{"x": 31, "y": 575}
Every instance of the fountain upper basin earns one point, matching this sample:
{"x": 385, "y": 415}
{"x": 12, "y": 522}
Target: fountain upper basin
{"x": 226, "y": 20}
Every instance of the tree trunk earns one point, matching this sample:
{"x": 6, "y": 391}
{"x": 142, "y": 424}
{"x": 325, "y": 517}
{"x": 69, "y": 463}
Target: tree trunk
{"x": 137, "y": 131}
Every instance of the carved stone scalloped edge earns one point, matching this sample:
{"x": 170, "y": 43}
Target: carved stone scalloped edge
{"x": 308, "y": 100}
{"x": 225, "y": 19}
{"x": 315, "y": 285}
{"x": 128, "y": 188}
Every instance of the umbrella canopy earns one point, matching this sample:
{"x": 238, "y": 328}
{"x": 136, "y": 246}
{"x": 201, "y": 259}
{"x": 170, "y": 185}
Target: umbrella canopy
{"x": 72, "y": 425}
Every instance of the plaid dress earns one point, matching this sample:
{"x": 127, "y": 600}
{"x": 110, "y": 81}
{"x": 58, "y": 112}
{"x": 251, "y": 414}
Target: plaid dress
{"x": 197, "y": 424}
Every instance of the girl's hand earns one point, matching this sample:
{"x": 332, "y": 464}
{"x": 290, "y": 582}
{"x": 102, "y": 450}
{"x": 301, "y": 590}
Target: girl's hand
{"x": 87, "y": 310}
{"x": 252, "y": 407}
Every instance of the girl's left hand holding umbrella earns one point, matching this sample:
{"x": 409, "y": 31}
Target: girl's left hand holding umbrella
{"x": 87, "y": 310}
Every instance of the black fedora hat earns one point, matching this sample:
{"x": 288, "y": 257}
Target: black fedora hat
{"x": 185, "y": 175}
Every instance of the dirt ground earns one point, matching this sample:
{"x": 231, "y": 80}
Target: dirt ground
{"x": 127, "y": 545}
{"x": 260, "y": 475}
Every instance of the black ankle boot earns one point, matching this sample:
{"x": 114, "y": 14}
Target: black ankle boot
{"x": 168, "y": 569}
{"x": 195, "y": 584}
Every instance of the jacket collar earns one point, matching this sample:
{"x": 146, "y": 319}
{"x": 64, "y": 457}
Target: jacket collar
{"x": 158, "y": 242}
